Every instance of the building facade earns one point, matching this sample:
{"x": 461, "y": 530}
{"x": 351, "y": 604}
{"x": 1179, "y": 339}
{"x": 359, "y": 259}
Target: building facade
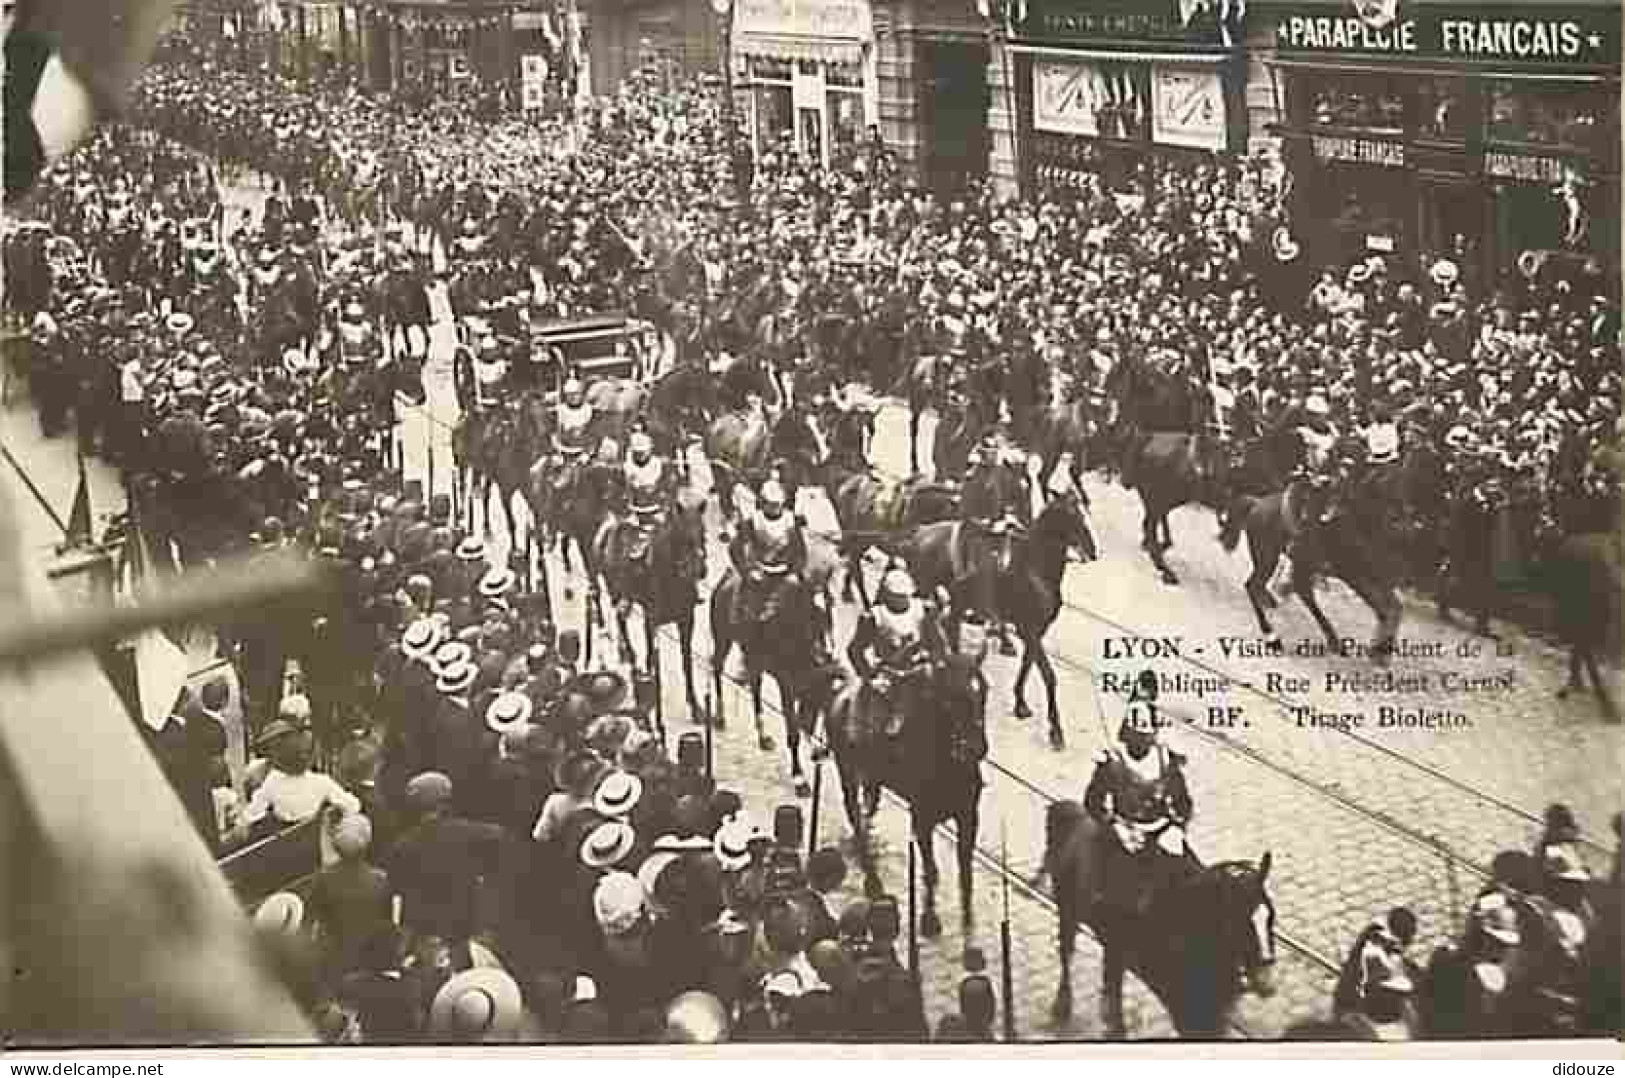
{"x": 1481, "y": 131}
{"x": 1103, "y": 86}
{"x": 933, "y": 93}
{"x": 666, "y": 41}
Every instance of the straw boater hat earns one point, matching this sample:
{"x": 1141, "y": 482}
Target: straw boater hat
{"x": 1444, "y": 273}
{"x": 421, "y": 638}
{"x": 732, "y": 844}
{"x": 476, "y": 1005}
{"x": 451, "y": 653}
{"x": 509, "y": 711}
{"x": 607, "y": 845}
{"x": 457, "y": 678}
{"x": 497, "y": 582}
{"x": 617, "y": 794}
{"x": 471, "y": 549}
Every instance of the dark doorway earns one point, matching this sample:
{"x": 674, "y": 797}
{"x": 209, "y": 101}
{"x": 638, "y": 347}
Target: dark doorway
{"x": 953, "y": 113}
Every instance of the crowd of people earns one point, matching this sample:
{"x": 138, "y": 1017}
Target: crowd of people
{"x": 514, "y": 853}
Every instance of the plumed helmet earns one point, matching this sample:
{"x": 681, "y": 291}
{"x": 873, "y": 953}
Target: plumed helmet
{"x": 773, "y": 493}
{"x": 897, "y": 582}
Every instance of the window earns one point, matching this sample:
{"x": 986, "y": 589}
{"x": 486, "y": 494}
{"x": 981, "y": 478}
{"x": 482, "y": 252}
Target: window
{"x": 1370, "y": 102}
{"x": 1576, "y": 117}
{"x": 770, "y": 69}
{"x": 1441, "y": 109}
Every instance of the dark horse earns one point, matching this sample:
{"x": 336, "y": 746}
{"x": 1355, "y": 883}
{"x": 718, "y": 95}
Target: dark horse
{"x": 736, "y": 445}
{"x": 1029, "y": 584}
{"x": 1583, "y": 574}
{"x": 574, "y": 502}
{"x": 659, "y": 569}
{"x": 1201, "y": 935}
{"x": 790, "y": 642}
{"x": 1170, "y": 469}
{"x": 877, "y": 511}
{"x": 679, "y": 408}
{"x": 1352, "y": 547}
{"x": 933, "y": 762}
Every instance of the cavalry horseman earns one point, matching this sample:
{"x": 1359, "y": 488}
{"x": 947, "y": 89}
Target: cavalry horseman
{"x": 1138, "y": 795}
{"x": 770, "y": 553}
{"x": 572, "y": 424}
{"x": 897, "y": 647}
{"x": 993, "y": 502}
{"x": 649, "y": 482}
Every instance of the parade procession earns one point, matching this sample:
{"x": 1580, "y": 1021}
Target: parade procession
{"x": 609, "y": 538}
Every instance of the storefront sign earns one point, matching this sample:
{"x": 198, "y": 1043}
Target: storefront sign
{"x": 1523, "y": 166}
{"x": 1560, "y": 34}
{"x": 1187, "y": 107}
{"x": 1067, "y": 98}
{"x": 1214, "y": 22}
{"x": 1360, "y": 151}
{"x": 846, "y": 19}
{"x": 807, "y": 91}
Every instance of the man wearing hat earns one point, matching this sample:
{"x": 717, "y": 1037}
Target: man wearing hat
{"x": 770, "y": 553}
{"x": 897, "y": 646}
{"x": 437, "y": 864}
{"x": 1381, "y": 943}
{"x": 1138, "y": 794}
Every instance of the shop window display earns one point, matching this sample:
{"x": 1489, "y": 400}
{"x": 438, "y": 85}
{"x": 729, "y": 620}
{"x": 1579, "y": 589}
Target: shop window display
{"x": 1583, "y": 118}
{"x": 1370, "y": 102}
{"x": 1441, "y": 109}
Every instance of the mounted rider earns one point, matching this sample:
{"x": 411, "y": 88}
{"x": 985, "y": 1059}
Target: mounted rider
{"x": 490, "y": 371}
{"x": 992, "y": 507}
{"x": 770, "y": 553}
{"x": 1361, "y": 463}
{"x": 1378, "y": 949}
{"x": 1139, "y": 797}
{"x": 573, "y": 417}
{"x": 898, "y": 646}
{"x": 649, "y": 482}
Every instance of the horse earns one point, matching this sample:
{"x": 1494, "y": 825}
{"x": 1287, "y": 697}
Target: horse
{"x": 616, "y": 403}
{"x": 796, "y": 448}
{"x": 790, "y": 642}
{"x": 736, "y": 445}
{"x": 933, "y": 762}
{"x": 1028, "y": 584}
{"x": 1583, "y": 575}
{"x": 1170, "y": 469}
{"x": 1349, "y": 546}
{"x": 1202, "y": 935}
{"x": 875, "y": 511}
{"x": 962, "y": 420}
{"x": 573, "y": 502}
{"x": 678, "y": 408}
{"x": 659, "y": 569}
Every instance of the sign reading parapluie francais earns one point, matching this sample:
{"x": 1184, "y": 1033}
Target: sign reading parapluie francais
{"x": 1581, "y": 36}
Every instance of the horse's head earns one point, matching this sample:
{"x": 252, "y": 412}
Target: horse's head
{"x": 1065, "y": 521}
{"x": 1244, "y": 915}
{"x": 960, "y": 702}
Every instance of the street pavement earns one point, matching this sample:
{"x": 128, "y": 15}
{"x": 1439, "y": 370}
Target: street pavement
{"x": 1358, "y": 821}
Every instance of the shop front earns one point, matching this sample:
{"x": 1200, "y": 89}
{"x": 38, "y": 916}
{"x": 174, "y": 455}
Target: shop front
{"x": 807, "y": 70}
{"x": 1475, "y": 132}
{"x": 1105, "y": 86}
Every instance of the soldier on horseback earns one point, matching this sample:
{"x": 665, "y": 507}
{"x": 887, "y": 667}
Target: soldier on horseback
{"x": 1139, "y": 796}
{"x": 490, "y": 372}
{"x": 991, "y": 507}
{"x": 897, "y": 646}
{"x": 649, "y": 482}
{"x": 573, "y": 418}
{"x": 770, "y": 553}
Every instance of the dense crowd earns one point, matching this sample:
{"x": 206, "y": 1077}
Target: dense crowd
{"x": 514, "y": 854}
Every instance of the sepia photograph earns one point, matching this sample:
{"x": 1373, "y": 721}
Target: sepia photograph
{"x": 810, "y": 522}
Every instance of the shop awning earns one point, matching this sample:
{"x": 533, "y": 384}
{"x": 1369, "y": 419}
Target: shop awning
{"x": 1457, "y": 70}
{"x": 821, "y": 50}
{"x": 1174, "y": 55}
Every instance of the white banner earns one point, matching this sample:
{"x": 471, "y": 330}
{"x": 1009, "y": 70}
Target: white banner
{"x": 533, "y": 67}
{"x": 1067, "y": 97}
{"x": 1187, "y": 107}
{"x": 532, "y": 95}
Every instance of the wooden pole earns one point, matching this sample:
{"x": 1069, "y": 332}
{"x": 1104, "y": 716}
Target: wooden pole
{"x": 710, "y": 747}
{"x": 1007, "y": 978}
{"x": 913, "y": 921}
{"x": 817, "y": 799}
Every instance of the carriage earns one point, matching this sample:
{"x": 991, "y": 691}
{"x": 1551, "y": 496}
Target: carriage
{"x": 608, "y": 345}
